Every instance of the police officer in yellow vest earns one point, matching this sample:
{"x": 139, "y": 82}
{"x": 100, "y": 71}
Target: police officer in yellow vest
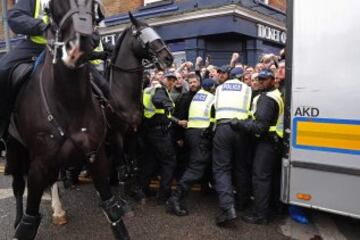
{"x": 267, "y": 125}
{"x": 198, "y": 143}
{"x": 230, "y": 148}
{"x": 160, "y": 151}
{"x": 26, "y": 18}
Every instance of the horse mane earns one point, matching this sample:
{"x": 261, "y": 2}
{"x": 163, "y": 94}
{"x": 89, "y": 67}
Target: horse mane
{"x": 121, "y": 39}
{"x": 118, "y": 44}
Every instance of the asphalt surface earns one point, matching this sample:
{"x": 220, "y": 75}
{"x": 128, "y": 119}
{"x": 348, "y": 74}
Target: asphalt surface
{"x": 86, "y": 221}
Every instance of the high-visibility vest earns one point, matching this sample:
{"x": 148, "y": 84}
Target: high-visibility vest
{"x": 200, "y": 110}
{"x": 149, "y": 109}
{"x": 99, "y": 48}
{"x": 232, "y": 100}
{"x": 279, "y": 126}
{"x": 39, "y": 11}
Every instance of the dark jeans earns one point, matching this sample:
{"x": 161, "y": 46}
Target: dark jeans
{"x": 231, "y": 151}
{"x": 160, "y": 152}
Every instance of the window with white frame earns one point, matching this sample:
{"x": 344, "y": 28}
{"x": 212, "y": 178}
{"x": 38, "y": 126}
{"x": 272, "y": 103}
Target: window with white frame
{"x": 179, "y": 58}
{"x": 147, "y": 2}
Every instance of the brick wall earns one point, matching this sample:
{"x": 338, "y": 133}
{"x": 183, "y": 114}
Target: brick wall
{"x": 10, "y": 3}
{"x": 280, "y": 4}
{"x": 114, "y": 7}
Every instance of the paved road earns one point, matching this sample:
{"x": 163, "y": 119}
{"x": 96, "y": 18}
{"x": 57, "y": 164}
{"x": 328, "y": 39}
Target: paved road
{"x": 151, "y": 222}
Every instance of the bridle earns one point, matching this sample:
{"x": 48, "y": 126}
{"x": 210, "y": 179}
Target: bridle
{"x": 145, "y": 36}
{"x": 81, "y": 13}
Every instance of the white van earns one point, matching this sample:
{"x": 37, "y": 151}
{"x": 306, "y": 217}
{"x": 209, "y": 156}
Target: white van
{"x": 321, "y": 167}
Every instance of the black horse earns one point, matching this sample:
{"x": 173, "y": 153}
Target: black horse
{"x": 59, "y": 121}
{"x": 138, "y": 47}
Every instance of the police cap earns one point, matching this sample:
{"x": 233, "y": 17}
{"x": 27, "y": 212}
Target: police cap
{"x": 170, "y": 74}
{"x": 224, "y": 69}
{"x": 207, "y": 83}
{"x": 266, "y": 73}
{"x": 236, "y": 72}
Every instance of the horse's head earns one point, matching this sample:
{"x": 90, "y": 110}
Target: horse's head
{"x": 150, "y": 45}
{"x": 72, "y": 26}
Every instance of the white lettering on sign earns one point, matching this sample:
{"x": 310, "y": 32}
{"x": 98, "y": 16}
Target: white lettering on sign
{"x": 270, "y": 33}
{"x": 110, "y": 38}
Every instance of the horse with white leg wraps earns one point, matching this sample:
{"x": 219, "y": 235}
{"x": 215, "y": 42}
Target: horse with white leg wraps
{"x": 60, "y": 121}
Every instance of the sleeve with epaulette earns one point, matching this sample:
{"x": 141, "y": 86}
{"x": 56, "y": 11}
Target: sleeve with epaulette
{"x": 265, "y": 116}
{"x": 21, "y": 19}
{"x": 162, "y": 100}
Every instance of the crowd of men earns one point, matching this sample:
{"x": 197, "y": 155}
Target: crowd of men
{"x": 221, "y": 126}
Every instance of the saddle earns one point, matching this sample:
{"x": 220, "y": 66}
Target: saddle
{"x": 20, "y": 73}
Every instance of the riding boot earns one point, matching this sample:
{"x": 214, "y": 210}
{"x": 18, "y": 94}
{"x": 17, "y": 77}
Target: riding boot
{"x": 176, "y": 203}
{"x": 101, "y": 85}
{"x": 27, "y": 228}
{"x": 114, "y": 212}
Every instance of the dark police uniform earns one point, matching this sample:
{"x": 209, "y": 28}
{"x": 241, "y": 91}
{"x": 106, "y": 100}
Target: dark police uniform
{"x": 198, "y": 143}
{"x": 158, "y": 108}
{"x": 267, "y": 126}
{"x": 230, "y": 148}
{"x": 25, "y": 18}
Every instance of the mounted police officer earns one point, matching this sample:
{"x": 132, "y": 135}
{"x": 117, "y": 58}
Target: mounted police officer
{"x": 197, "y": 141}
{"x": 158, "y": 109}
{"x": 267, "y": 125}
{"x": 28, "y": 18}
{"x": 230, "y": 148}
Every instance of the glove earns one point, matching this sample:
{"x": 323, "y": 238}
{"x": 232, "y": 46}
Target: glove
{"x": 237, "y": 124}
{"x": 43, "y": 27}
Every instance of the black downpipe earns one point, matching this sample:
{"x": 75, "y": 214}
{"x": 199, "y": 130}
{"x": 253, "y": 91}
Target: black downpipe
{"x": 288, "y": 77}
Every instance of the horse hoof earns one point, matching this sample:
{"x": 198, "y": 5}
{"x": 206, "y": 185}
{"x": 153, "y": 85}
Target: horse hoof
{"x": 59, "y": 220}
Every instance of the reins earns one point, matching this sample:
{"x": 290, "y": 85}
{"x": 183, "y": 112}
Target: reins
{"x": 55, "y": 124}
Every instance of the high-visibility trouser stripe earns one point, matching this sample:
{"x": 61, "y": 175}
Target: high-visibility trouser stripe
{"x": 203, "y": 119}
{"x": 158, "y": 111}
{"x": 232, "y": 109}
